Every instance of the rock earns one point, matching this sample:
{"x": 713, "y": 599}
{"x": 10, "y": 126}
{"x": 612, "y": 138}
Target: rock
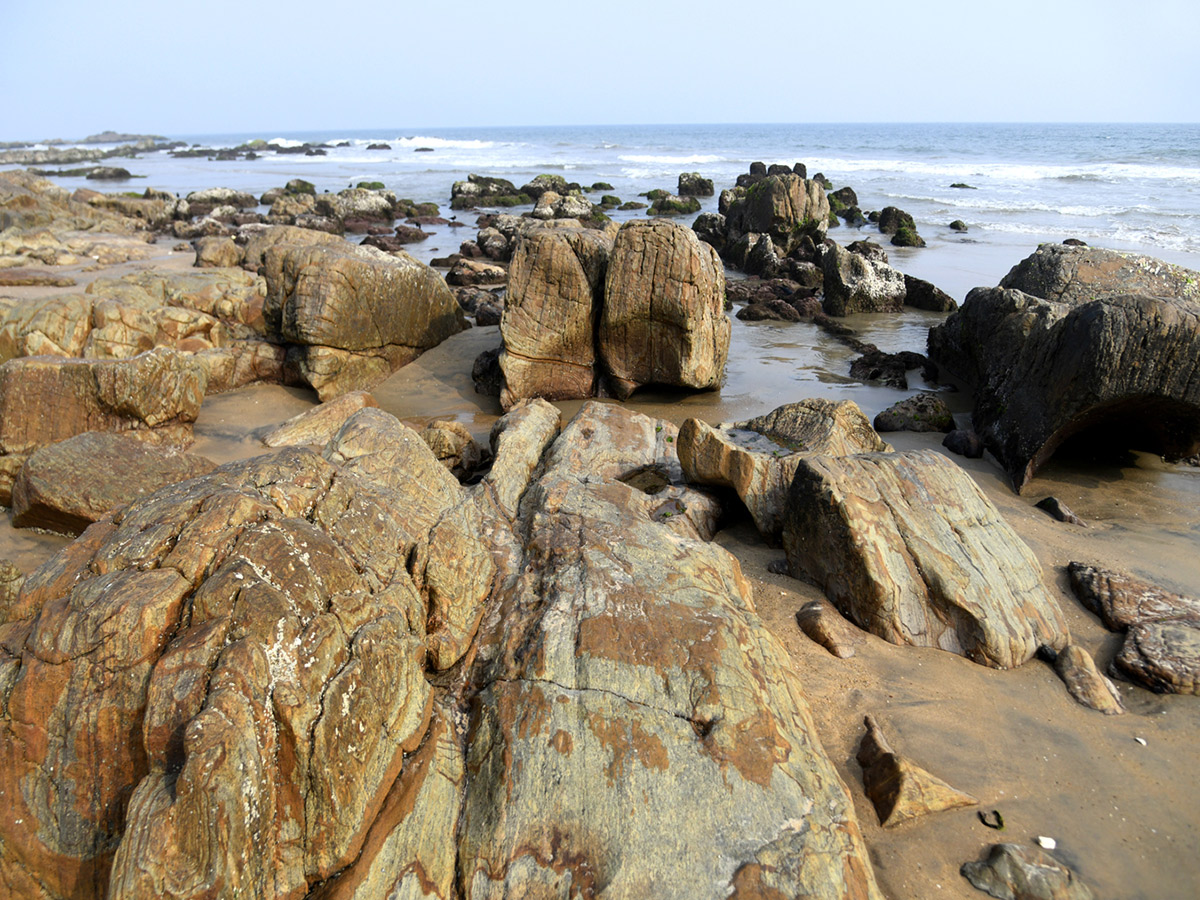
{"x": 1014, "y": 872}
{"x": 1121, "y": 600}
{"x": 1132, "y": 376}
{"x": 259, "y": 240}
{"x": 317, "y": 426}
{"x": 355, "y": 314}
{"x": 12, "y": 579}
{"x": 543, "y": 183}
{"x": 958, "y": 225}
{"x": 390, "y": 243}
{"x": 787, "y": 207}
{"x": 218, "y": 252}
{"x": 486, "y": 374}
{"x": 891, "y": 220}
{"x": 672, "y": 205}
{"x": 898, "y": 788}
{"x": 907, "y": 546}
{"x": 856, "y": 283}
{"x": 1059, "y": 510}
{"x": 357, "y": 205}
{"x": 769, "y": 310}
{"x": 453, "y": 446}
{"x": 480, "y": 190}
{"x": 1163, "y": 656}
{"x": 759, "y": 457}
{"x": 200, "y": 203}
{"x": 663, "y": 319}
{"x": 692, "y": 184}
{"x": 890, "y": 368}
{"x": 964, "y": 442}
{"x": 907, "y": 237}
{"x": 921, "y": 294}
{"x": 287, "y": 207}
{"x": 66, "y": 486}
{"x": 556, "y": 286}
{"x": 710, "y": 228}
{"x": 33, "y": 278}
{"x": 518, "y": 440}
{"x": 1077, "y": 669}
{"x": 762, "y": 258}
{"x": 869, "y": 249}
{"x": 45, "y": 400}
{"x": 826, "y": 626}
{"x": 920, "y": 412}
{"x": 471, "y": 272}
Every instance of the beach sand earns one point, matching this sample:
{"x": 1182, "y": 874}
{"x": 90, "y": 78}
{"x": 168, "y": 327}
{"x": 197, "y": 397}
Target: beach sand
{"x": 1125, "y": 815}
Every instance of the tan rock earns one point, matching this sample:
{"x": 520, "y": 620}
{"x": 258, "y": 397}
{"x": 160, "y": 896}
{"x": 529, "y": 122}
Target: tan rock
{"x": 453, "y": 445}
{"x": 1077, "y": 669}
{"x": 218, "y": 251}
{"x": 519, "y": 438}
{"x": 820, "y": 620}
{"x": 316, "y": 426}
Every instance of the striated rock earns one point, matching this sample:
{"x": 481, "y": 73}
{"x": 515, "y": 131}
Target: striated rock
{"x": 1163, "y": 656}
{"x": 821, "y": 621}
{"x": 1014, "y": 872}
{"x": 453, "y": 446}
{"x": 758, "y": 458}
{"x": 663, "y": 319}
{"x": 907, "y": 547}
{"x": 785, "y": 206}
{"x": 899, "y": 789}
{"x": 259, "y": 240}
{"x": 920, "y": 412}
{"x": 1130, "y": 375}
{"x": 315, "y": 427}
{"x": 856, "y": 283}
{"x": 1077, "y": 669}
{"x": 12, "y": 579}
{"x": 45, "y": 400}
{"x": 356, "y": 314}
{"x": 518, "y": 439}
{"x": 66, "y": 486}
{"x": 1121, "y": 600}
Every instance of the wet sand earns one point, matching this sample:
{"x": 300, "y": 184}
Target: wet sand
{"x": 1126, "y": 816}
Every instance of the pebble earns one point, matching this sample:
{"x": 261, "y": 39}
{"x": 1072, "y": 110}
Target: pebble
{"x": 1047, "y": 843}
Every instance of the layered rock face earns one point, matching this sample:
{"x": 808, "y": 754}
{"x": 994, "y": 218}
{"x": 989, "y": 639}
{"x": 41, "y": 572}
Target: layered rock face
{"x": 355, "y": 315}
{"x": 585, "y": 310}
{"x": 1109, "y": 351}
{"x": 229, "y": 688}
{"x": 908, "y": 547}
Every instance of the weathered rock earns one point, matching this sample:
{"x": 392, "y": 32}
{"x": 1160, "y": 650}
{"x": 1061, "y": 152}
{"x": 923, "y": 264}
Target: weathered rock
{"x": 481, "y": 190}
{"x": 899, "y": 789}
{"x": 30, "y": 202}
{"x": 472, "y": 272}
{"x": 920, "y": 412}
{"x": 45, "y": 400}
{"x": 590, "y": 697}
{"x": 909, "y": 548}
{"x": 68, "y": 485}
{"x": 543, "y": 183}
{"x": 356, "y": 314}
{"x": 890, "y": 368}
{"x": 453, "y": 446}
{"x": 673, "y": 205}
{"x": 259, "y": 240}
{"x": 892, "y": 220}
{"x": 356, "y": 205}
{"x": 218, "y": 251}
{"x": 710, "y": 228}
{"x": 1014, "y": 872}
{"x": 920, "y": 294}
{"x": 787, "y": 207}
{"x": 315, "y": 427}
{"x": 12, "y": 579}
{"x": 821, "y": 621}
{"x": 907, "y": 237}
{"x": 556, "y": 286}
{"x": 1078, "y": 274}
{"x": 856, "y": 283}
{"x": 769, "y": 310}
{"x": 1059, "y": 510}
{"x": 758, "y": 458}
{"x": 663, "y": 319}
{"x": 200, "y": 203}
{"x": 964, "y": 442}
{"x": 693, "y": 184}
{"x": 286, "y": 207}
{"x": 1077, "y": 669}
{"x": 1121, "y": 600}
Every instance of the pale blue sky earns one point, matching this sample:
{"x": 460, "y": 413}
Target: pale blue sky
{"x": 75, "y": 68}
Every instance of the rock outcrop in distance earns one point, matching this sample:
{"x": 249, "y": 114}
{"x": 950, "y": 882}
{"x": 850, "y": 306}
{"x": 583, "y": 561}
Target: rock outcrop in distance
{"x": 346, "y": 675}
{"x": 1080, "y": 344}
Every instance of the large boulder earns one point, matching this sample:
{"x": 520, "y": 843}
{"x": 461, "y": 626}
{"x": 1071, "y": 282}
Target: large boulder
{"x": 355, "y": 206}
{"x": 156, "y": 395}
{"x": 556, "y": 285}
{"x": 663, "y": 319}
{"x": 787, "y": 207}
{"x": 486, "y": 190}
{"x": 856, "y": 283}
{"x": 909, "y": 548}
{"x": 355, "y": 314}
{"x": 1110, "y": 368}
{"x": 758, "y": 458}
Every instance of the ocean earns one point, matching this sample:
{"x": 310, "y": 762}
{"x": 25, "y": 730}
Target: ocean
{"x": 1126, "y": 187}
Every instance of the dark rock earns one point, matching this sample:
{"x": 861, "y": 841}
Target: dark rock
{"x": 692, "y": 184}
{"x": 964, "y": 442}
{"x": 671, "y": 205}
{"x": 1014, "y": 872}
{"x": 845, "y": 197}
{"x": 710, "y": 228}
{"x": 958, "y": 225}
{"x": 109, "y": 173}
{"x": 920, "y": 294}
{"x": 762, "y": 259}
{"x": 784, "y": 206}
{"x": 1121, "y": 600}
{"x": 602, "y": 186}
{"x": 379, "y": 146}
{"x": 486, "y": 374}
{"x": 961, "y": 186}
{"x": 921, "y": 412}
{"x": 870, "y": 250}
{"x": 390, "y": 243}
{"x": 1074, "y": 242}
{"x": 543, "y": 183}
{"x": 892, "y": 220}
{"x": 1059, "y": 510}
{"x": 769, "y": 310}
{"x": 853, "y": 217}
{"x": 907, "y": 237}
{"x": 824, "y": 182}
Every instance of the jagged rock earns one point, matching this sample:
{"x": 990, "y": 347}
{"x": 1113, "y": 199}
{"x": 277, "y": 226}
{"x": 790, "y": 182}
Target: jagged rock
{"x": 453, "y": 446}
{"x": 1132, "y": 373}
{"x": 787, "y": 207}
{"x": 890, "y": 368}
{"x": 1014, "y": 872}
{"x": 355, "y": 314}
{"x": 920, "y": 412}
{"x": 663, "y": 319}
{"x": 899, "y": 789}
{"x": 710, "y": 228}
{"x": 759, "y": 457}
{"x": 315, "y": 427}
{"x": 44, "y": 400}
{"x": 1059, "y": 510}
{"x": 556, "y": 284}
{"x": 821, "y": 621}
{"x": 920, "y": 294}
{"x": 1077, "y": 669}
{"x": 1121, "y": 600}
{"x": 12, "y": 579}
{"x": 856, "y": 283}
{"x": 907, "y": 547}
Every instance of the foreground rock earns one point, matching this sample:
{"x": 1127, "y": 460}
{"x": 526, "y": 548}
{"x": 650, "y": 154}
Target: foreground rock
{"x": 1015, "y": 872}
{"x": 1133, "y": 373}
{"x": 1162, "y": 643}
{"x": 856, "y": 283}
{"x": 155, "y": 395}
{"x": 229, "y": 687}
{"x": 355, "y": 314}
{"x": 759, "y": 457}
{"x": 909, "y": 548}
{"x": 787, "y": 207}
{"x": 69, "y": 485}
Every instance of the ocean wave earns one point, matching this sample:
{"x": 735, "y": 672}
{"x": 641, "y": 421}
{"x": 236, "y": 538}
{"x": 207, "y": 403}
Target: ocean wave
{"x": 695, "y": 160}
{"x": 1008, "y": 172}
{"x": 285, "y": 142}
{"x": 442, "y": 143}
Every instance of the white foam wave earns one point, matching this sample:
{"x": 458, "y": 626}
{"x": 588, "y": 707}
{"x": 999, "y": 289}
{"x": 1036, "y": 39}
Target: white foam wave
{"x": 441, "y": 143}
{"x": 694, "y": 160}
{"x": 1008, "y": 172}
{"x": 285, "y": 142}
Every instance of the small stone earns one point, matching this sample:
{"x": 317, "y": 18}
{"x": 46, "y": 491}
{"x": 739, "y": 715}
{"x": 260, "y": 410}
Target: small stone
{"x": 1141, "y": 741}
{"x": 1013, "y": 872}
{"x": 1046, "y": 843}
{"x": 820, "y": 620}
{"x": 1078, "y": 671}
{"x": 1060, "y": 511}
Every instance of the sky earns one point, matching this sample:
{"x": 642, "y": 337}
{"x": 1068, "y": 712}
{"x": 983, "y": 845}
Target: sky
{"x": 72, "y": 68}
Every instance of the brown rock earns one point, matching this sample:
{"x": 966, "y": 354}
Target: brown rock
{"x": 909, "y": 548}
{"x": 663, "y": 320}
{"x": 453, "y": 445}
{"x": 315, "y": 427}
{"x": 1163, "y": 656}
{"x": 899, "y": 789}
{"x": 68, "y": 485}
{"x": 11, "y": 581}
{"x": 218, "y": 251}
{"x": 1014, "y": 872}
{"x": 1121, "y": 600}
{"x": 821, "y": 621}
{"x": 1077, "y": 669}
